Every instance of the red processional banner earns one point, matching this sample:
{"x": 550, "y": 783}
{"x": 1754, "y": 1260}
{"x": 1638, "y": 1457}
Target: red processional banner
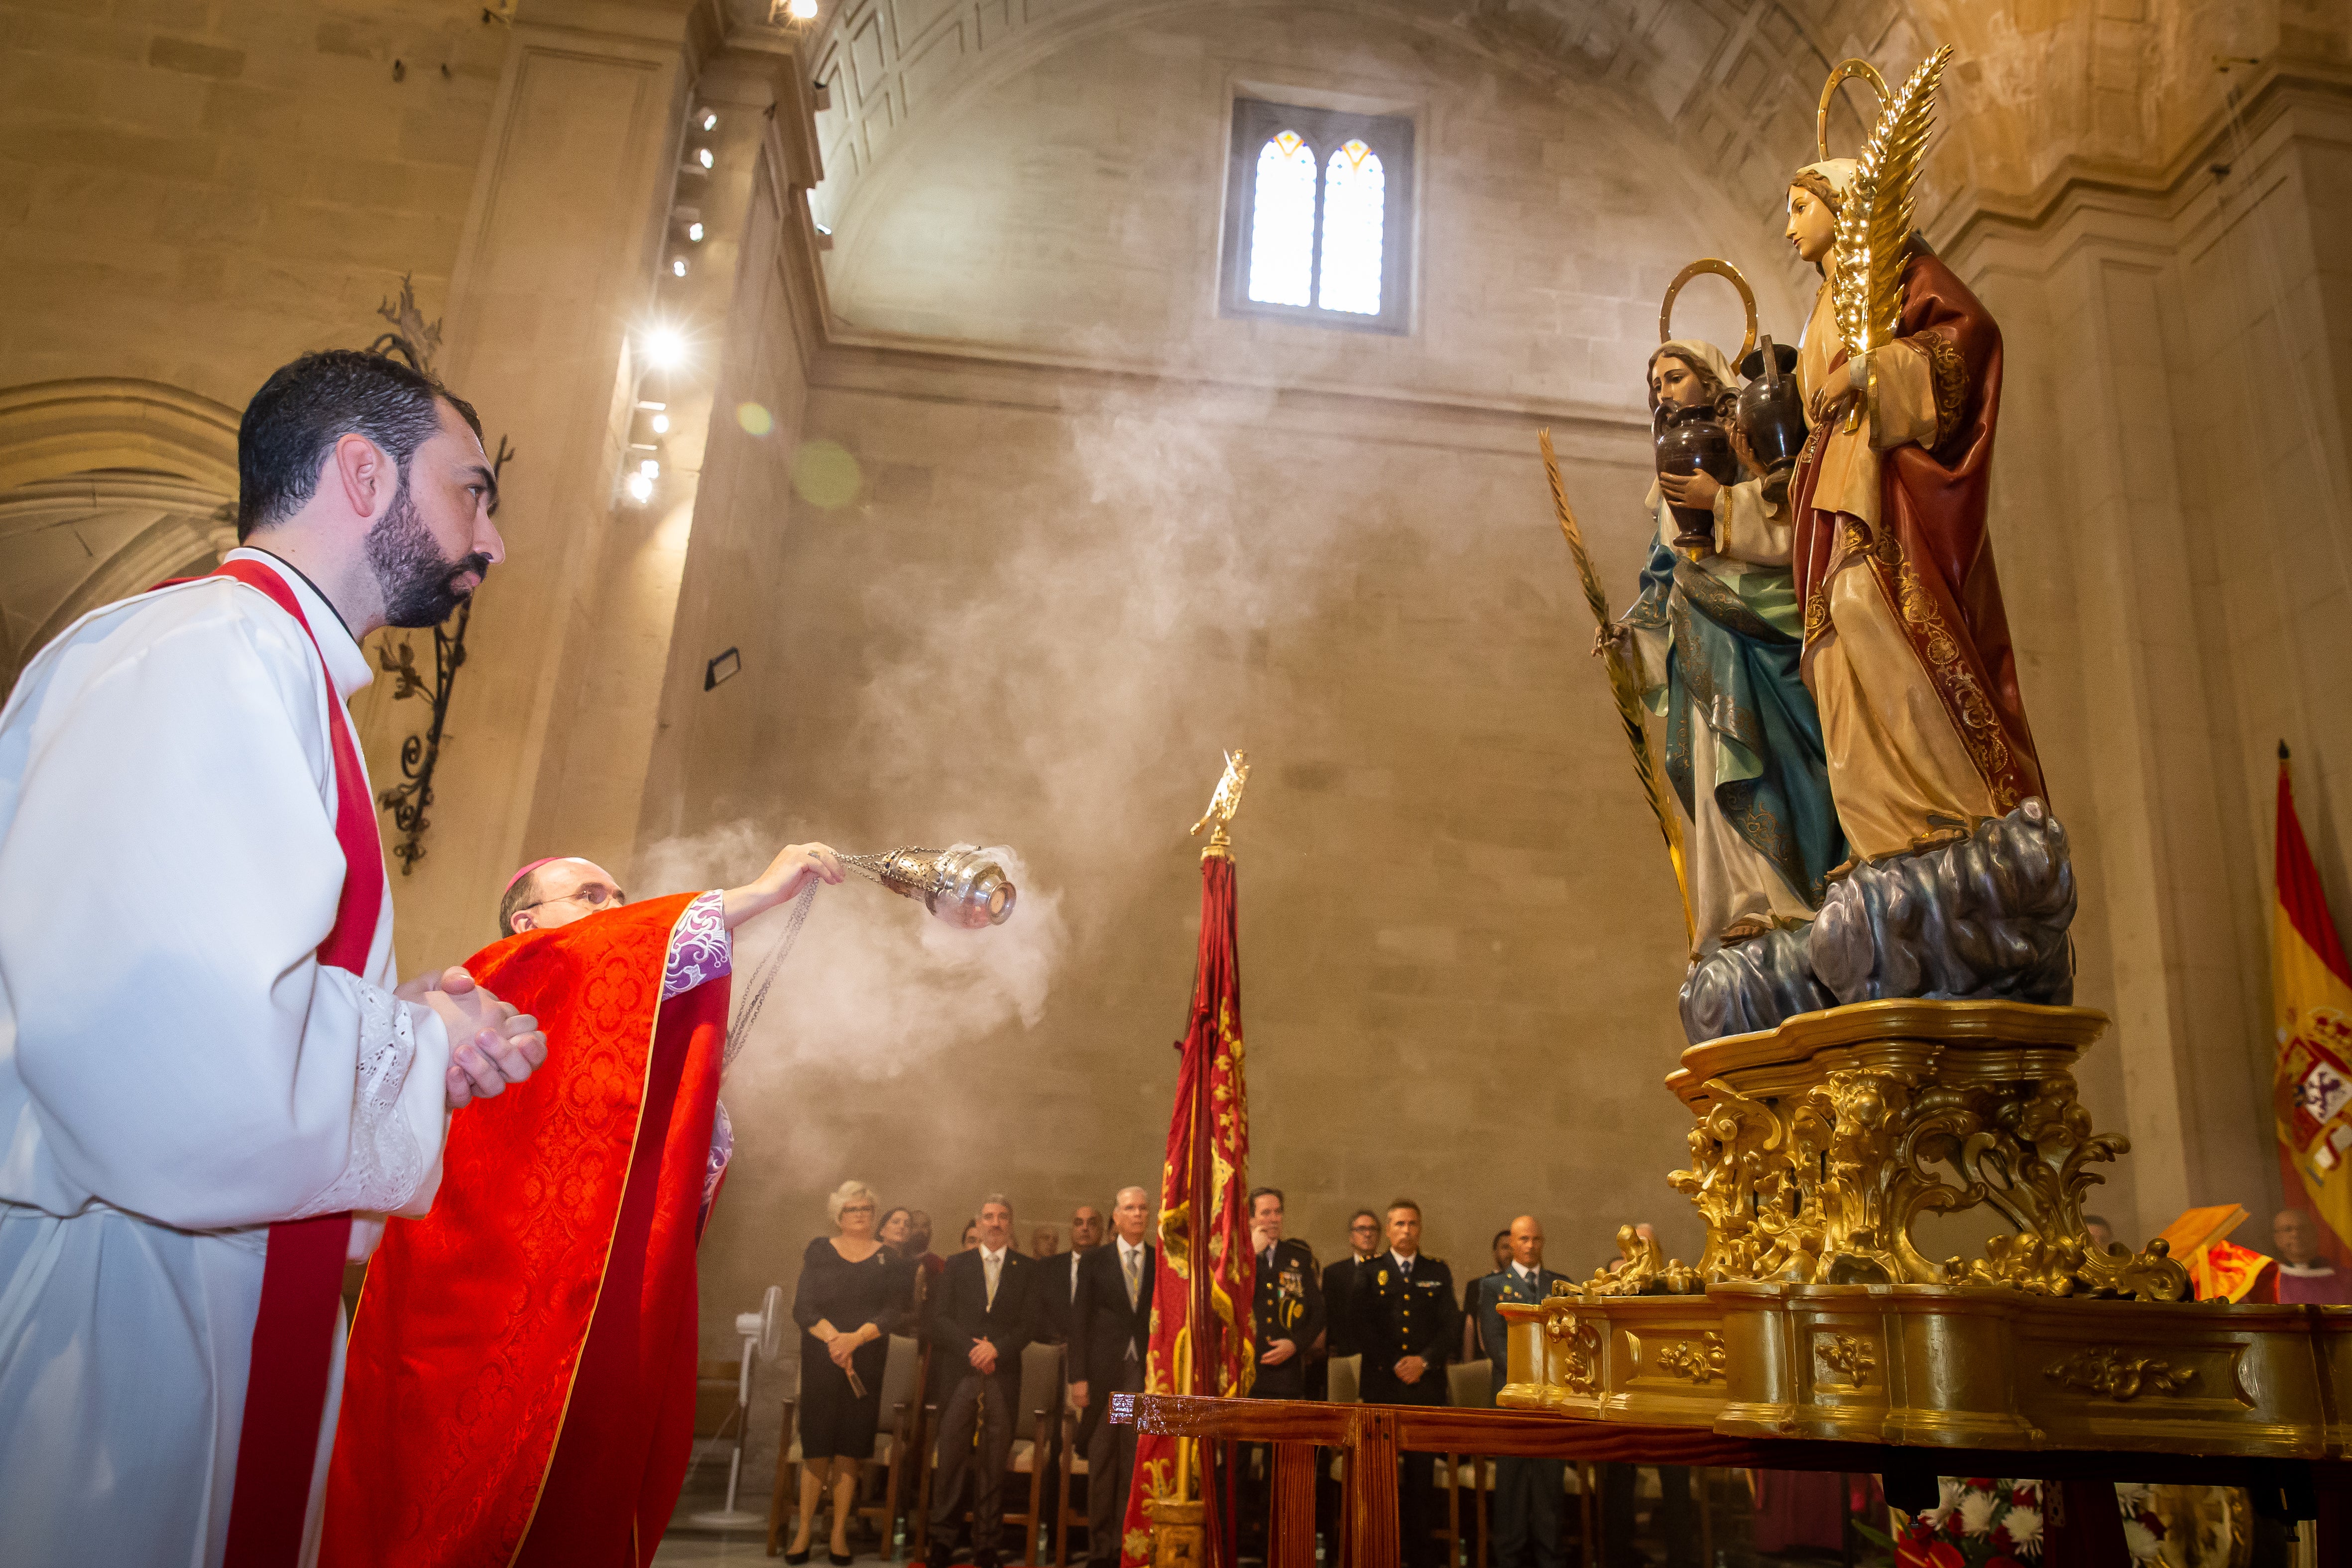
{"x": 1201, "y": 1342}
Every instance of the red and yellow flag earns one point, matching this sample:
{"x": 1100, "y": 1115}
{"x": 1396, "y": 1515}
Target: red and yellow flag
{"x": 2311, "y": 988}
{"x": 2219, "y": 1269}
{"x": 1201, "y": 1343}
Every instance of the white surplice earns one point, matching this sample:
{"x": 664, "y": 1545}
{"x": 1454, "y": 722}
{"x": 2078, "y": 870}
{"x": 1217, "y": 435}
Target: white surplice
{"x": 177, "y": 1070}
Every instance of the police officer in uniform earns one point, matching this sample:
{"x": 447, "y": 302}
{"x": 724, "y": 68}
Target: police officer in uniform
{"x": 1527, "y": 1492}
{"x": 1289, "y": 1318}
{"x": 1406, "y": 1327}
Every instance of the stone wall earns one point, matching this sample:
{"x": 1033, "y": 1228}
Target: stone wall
{"x": 195, "y": 194}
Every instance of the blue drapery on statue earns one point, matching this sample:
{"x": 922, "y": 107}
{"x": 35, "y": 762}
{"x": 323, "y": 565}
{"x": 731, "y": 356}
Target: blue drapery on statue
{"x": 1734, "y": 659}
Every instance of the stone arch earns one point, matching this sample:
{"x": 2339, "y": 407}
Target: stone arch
{"x": 107, "y": 486}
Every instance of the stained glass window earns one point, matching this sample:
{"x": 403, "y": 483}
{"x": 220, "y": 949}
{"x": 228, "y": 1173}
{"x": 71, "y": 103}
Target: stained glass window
{"x": 1353, "y": 195}
{"x": 1319, "y": 212}
{"x": 1282, "y": 226}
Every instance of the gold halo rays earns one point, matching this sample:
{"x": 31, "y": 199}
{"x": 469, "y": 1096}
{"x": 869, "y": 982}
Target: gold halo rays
{"x": 1721, "y": 269}
{"x": 1858, "y": 69}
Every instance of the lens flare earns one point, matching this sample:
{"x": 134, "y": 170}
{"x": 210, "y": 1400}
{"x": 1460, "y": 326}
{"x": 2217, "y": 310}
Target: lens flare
{"x": 825, "y": 474}
{"x": 754, "y": 418}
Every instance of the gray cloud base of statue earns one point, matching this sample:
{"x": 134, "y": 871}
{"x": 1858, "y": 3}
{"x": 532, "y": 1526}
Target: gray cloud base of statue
{"x": 1985, "y": 916}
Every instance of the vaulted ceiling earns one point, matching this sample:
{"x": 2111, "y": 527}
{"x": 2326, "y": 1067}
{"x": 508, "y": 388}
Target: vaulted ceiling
{"x": 2038, "y": 87}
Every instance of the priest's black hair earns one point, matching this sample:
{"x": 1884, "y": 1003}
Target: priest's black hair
{"x": 305, "y": 408}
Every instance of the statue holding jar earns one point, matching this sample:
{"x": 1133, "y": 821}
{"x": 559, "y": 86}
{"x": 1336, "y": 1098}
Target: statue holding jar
{"x": 1716, "y": 635}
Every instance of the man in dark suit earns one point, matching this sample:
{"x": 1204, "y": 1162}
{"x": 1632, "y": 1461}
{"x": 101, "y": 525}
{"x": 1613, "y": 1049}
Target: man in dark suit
{"x": 1110, "y": 1335}
{"x": 1339, "y": 1280}
{"x": 987, "y": 1315}
{"x": 1527, "y": 1492}
{"x": 1060, "y": 1290}
{"x": 1338, "y": 1340}
{"x": 1406, "y": 1325}
{"x": 1058, "y": 1295}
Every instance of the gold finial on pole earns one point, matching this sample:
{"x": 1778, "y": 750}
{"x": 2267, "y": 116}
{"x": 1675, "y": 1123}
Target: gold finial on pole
{"x": 1223, "y": 805}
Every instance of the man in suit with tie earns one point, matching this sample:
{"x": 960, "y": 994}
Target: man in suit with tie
{"x": 1110, "y": 1335}
{"x": 1405, "y": 1325}
{"x": 987, "y": 1315}
{"x": 1527, "y": 1492}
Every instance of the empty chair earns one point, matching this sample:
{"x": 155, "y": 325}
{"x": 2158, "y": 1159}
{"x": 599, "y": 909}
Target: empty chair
{"x": 1032, "y": 1422}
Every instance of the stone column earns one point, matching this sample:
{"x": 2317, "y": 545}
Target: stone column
{"x": 560, "y": 272}
{"x": 2170, "y": 514}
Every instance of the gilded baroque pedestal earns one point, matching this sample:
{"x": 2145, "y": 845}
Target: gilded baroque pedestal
{"x": 1812, "y": 1313}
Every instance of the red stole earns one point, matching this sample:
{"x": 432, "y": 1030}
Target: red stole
{"x": 519, "y": 1385}
{"x": 303, "y": 1280}
{"x": 1930, "y": 552}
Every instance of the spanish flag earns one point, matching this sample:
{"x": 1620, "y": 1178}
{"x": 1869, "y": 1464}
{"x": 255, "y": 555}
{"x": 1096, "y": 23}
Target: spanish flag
{"x": 2311, "y": 990}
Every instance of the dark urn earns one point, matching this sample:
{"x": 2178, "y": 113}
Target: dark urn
{"x": 1772, "y": 413}
{"x": 1692, "y": 440}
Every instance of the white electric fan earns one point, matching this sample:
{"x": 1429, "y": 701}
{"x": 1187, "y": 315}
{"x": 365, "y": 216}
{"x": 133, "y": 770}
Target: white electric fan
{"x": 764, "y": 1334}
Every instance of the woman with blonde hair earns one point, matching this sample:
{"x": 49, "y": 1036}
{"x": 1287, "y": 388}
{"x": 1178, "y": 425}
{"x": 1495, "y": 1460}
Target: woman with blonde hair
{"x": 854, "y": 1293}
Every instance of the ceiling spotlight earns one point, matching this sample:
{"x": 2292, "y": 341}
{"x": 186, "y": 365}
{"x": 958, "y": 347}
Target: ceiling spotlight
{"x": 801, "y": 10}
{"x": 641, "y": 488}
{"x": 665, "y": 348}
{"x": 702, "y": 156}
{"x": 694, "y": 231}
{"x": 711, "y": 119}
{"x": 661, "y": 423}
{"x": 649, "y": 469}
{"x": 677, "y": 266}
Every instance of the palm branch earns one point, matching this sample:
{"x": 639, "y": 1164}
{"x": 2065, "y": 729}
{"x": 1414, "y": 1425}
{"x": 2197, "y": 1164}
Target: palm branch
{"x": 1874, "y": 227}
{"x": 1624, "y": 688}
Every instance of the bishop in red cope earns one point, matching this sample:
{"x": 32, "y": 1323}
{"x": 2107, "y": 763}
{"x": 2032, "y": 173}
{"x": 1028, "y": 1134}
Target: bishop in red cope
{"x": 521, "y": 1383}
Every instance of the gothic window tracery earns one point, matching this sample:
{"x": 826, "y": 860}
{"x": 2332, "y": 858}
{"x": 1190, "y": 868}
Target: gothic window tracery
{"x": 1318, "y": 216}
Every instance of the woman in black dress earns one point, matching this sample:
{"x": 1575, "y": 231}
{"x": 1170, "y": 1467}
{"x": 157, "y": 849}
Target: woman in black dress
{"x": 853, "y": 1294}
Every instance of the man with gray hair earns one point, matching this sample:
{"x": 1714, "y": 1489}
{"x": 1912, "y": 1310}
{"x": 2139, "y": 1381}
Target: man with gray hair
{"x": 988, "y": 1313}
{"x": 1111, "y": 1334}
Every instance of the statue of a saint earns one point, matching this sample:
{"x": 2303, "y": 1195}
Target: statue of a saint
{"x": 1906, "y": 645}
{"x": 1718, "y": 641}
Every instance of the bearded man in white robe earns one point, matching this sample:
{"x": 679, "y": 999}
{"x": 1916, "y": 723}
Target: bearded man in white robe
{"x": 209, "y": 1078}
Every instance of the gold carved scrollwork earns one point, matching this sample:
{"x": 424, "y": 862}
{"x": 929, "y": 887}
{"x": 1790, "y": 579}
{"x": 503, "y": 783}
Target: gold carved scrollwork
{"x": 1644, "y": 1269}
{"x": 1822, "y": 1181}
{"x": 1693, "y": 1361}
{"x": 1576, "y": 1354}
{"x": 2118, "y": 1375}
{"x": 1849, "y": 1356}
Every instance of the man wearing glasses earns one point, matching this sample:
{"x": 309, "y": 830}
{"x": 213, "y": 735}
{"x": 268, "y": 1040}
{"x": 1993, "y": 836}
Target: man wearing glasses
{"x": 550, "y": 893}
{"x": 520, "y": 1383}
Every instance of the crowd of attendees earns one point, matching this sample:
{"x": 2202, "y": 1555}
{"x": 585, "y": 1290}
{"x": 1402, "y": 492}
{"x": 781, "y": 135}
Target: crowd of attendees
{"x": 1394, "y": 1318}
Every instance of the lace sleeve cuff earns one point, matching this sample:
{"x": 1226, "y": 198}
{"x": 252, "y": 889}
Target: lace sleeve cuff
{"x": 386, "y": 1165}
{"x": 700, "y": 948}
